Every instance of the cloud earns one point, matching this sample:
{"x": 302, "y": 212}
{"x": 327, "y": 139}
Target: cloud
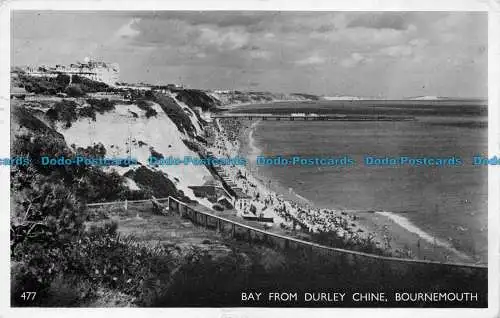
{"x": 250, "y": 47}
{"x": 455, "y": 27}
{"x": 360, "y": 37}
{"x": 419, "y": 42}
{"x": 224, "y": 40}
{"x": 260, "y": 54}
{"x": 355, "y": 59}
{"x": 222, "y": 19}
{"x": 311, "y": 60}
{"x": 404, "y": 50}
{"x": 129, "y": 29}
{"x": 179, "y": 34}
{"x": 386, "y": 20}
{"x": 352, "y": 50}
{"x": 397, "y": 51}
{"x": 269, "y": 35}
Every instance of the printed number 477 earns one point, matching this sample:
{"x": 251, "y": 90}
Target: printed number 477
{"x": 28, "y": 295}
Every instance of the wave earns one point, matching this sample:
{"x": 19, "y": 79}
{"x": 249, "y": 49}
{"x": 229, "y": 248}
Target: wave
{"x": 410, "y": 227}
{"x": 292, "y": 191}
{"x": 253, "y": 150}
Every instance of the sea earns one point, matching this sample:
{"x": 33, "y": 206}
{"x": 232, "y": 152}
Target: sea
{"x": 448, "y": 203}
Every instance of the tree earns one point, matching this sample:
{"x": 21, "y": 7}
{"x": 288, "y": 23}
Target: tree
{"x": 75, "y": 91}
{"x": 47, "y": 213}
{"x": 253, "y": 209}
{"x": 63, "y": 80}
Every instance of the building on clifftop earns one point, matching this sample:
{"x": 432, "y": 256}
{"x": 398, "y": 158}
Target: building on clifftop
{"x": 108, "y": 73}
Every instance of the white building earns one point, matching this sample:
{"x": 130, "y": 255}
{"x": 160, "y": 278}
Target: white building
{"x": 108, "y": 73}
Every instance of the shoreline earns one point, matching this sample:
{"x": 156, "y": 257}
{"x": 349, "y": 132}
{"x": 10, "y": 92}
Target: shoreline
{"x": 392, "y": 234}
{"x": 230, "y": 107}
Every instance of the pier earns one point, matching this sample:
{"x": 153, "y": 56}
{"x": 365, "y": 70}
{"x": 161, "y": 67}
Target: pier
{"x": 311, "y": 117}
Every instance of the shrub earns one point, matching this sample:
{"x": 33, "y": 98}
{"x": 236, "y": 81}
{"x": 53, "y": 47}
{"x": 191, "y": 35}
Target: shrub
{"x": 117, "y": 263}
{"x": 43, "y": 85}
{"x": 155, "y": 153}
{"x": 93, "y": 185}
{"x": 253, "y": 209}
{"x": 197, "y": 98}
{"x": 144, "y": 105}
{"x": 100, "y": 186}
{"x": 52, "y": 214}
{"x": 97, "y": 258}
{"x": 64, "y": 111}
{"x": 101, "y": 105}
{"x": 218, "y": 207}
{"x": 175, "y": 113}
{"x": 25, "y": 118}
{"x": 45, "y": 221}
{"x": 51, "y": 86}
{"x": 63, "y": 80}
{"x": 90, "y": 86}
{"x": 191, "y": 145}
{"x": 87, "y": 112}
{"x": 31, "y": 273}
{"x": 96, "y": 151}
{"x": 201, "y": 140}
{"x": 154, "y": 182}
{"x": 150, "y": 112}
{"x": 51, "y": 252}
{"x": 74, "y": 91}
{"x": 203, "y": 280}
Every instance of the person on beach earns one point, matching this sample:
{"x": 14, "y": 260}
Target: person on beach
{"x": 304, "y": 216}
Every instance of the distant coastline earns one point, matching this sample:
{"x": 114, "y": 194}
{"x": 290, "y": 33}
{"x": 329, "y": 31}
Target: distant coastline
{"x": 405, "y": 232}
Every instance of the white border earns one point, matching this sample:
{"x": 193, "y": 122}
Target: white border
{"x": 491, "y": 6}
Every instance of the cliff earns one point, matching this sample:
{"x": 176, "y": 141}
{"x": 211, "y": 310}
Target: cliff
{"x": 227, "y": 98}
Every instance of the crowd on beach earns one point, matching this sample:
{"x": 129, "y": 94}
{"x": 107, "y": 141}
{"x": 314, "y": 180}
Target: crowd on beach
{"x": 289, "y": 216}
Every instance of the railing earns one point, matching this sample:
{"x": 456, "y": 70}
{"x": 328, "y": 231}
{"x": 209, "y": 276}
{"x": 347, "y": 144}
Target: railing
{"x": 354, "y": 269}
{"x": 208, "y": 219}
{"x": 101, "y": 208}
{"x": 365, "y": 264}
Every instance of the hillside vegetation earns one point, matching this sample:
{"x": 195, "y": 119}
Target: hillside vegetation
{"x": 239, "y": 97}
{"x": 60, "y": 249}
{"x": 197, "y": 98}
{"x": 53, "y": 252}
{"x": 72, "y": 255}
{"x": 175, "y": 112}
{"x": 56, "y": 253}
{"x": 78, "y": 87}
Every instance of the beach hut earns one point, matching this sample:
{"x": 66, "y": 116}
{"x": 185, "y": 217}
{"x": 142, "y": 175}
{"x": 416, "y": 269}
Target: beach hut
{"x": 241, "y": 199}
{"x": 211, "y": 189}
{"x": 225, "y": 201}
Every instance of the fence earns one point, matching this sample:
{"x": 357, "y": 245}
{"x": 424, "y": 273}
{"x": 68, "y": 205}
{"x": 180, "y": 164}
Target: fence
{"x": 119, "y": 207}
{"x": 366, "y": 270}
{"x": 90, "y": 205}
{"x": 219, "y": 223}
{"x": 376, "y": 269}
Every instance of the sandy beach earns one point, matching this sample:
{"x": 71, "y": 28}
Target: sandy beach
{"x": 376, "y": 232}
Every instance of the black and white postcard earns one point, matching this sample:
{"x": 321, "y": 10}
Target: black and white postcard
{"x": 284, "y": 159}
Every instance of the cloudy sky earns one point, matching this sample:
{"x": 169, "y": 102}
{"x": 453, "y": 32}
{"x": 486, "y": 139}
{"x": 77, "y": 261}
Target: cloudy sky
{"x": 385, "y": 54}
